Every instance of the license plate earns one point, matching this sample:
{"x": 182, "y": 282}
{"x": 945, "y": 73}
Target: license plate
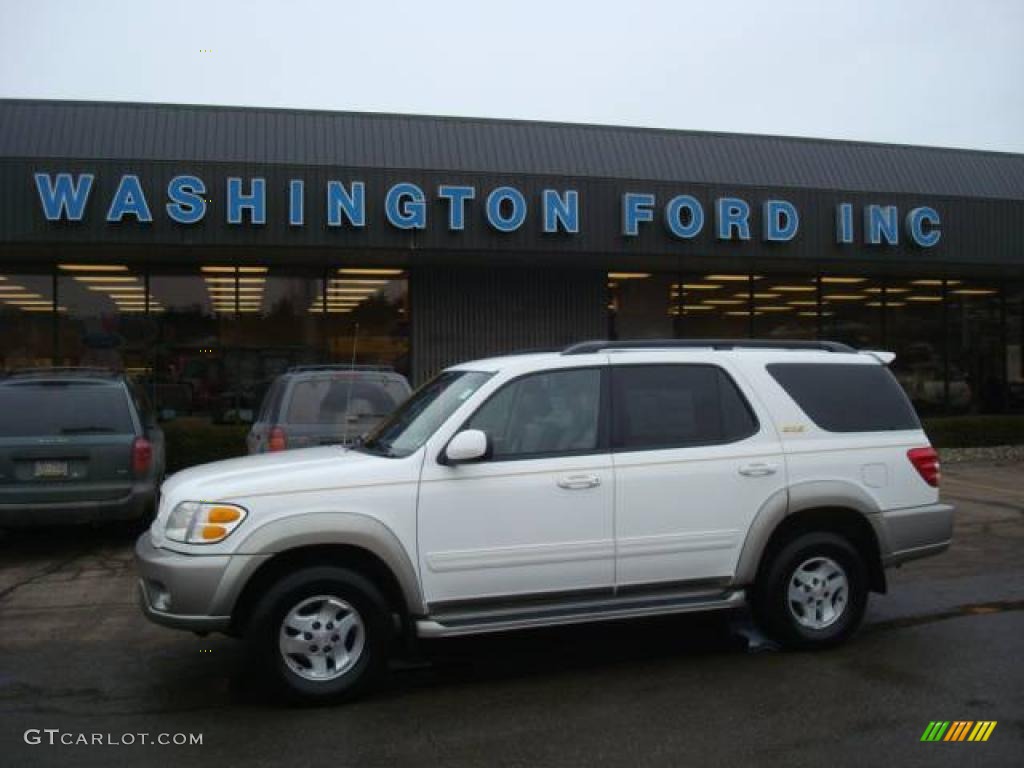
{"x": 51, "y": 469}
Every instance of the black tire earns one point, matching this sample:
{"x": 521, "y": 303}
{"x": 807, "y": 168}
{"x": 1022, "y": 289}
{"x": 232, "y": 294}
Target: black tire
{"x": 264, "y": 628}
{"x": 771, "y": 595}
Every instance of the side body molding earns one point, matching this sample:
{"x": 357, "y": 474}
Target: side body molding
{"x": 812, "y": 494}
{"x": 318, "y": 529}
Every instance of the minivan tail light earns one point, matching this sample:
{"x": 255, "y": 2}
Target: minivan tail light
{"x": 277, "y": 441}
{"x": 142, "y": 455}
{"x": 926, "y": 462}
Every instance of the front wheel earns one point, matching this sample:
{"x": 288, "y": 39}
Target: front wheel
{"x": 319, "y": 634}
{"x": 813, "y": 592}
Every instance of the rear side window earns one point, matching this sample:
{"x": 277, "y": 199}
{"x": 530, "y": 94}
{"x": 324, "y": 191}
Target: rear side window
{"x": 48, "y": 409}
{"x": 672, "y": 406}
{"x": 272, "y": 401}
{"x": 330, "y": 400}
{"x": 842, "y": 397}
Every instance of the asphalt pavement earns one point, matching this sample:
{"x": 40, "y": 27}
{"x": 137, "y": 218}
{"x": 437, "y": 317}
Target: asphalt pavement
{"x": 78, "y": 662}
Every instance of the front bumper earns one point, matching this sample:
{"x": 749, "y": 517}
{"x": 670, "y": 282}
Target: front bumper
{"x": 134, "y": 506}
{"x": 193, "y": 592}
{"x": 913, "y": 532}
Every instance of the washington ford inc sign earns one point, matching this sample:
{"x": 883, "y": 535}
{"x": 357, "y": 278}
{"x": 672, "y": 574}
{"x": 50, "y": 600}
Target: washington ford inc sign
{"x": 63, "y": 197}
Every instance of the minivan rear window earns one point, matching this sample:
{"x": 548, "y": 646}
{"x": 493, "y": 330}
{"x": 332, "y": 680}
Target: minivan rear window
{"x": 63, "y": 408}
{"x": 846, "y": 397}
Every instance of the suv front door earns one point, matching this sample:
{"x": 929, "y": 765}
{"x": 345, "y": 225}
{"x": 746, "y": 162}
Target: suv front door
{"x": 694, "y": 462}
{"x": 534, "y": 517}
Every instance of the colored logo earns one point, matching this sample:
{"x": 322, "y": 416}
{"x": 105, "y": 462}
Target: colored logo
{"x": 958, "y": 730}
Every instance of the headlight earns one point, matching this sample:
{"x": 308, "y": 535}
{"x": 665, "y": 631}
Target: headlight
{"x": 196, "y": 522}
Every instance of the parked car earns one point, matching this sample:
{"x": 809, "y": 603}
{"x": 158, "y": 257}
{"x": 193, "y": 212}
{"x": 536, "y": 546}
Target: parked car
{"x": 76, "y": 445}
{"x": 609, "y": 481}
{"x": 325, "y": 405}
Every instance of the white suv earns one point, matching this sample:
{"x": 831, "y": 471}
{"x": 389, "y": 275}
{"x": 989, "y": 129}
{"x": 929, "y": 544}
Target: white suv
{"x": 611, "y": 480}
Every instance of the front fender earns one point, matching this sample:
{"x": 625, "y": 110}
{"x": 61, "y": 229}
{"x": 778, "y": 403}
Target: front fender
{"x": 319, "y": 528}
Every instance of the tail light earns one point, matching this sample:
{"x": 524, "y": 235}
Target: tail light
{"x": 276, "y": 440}
{"x": 142, "y": 455}
{"x": 926, "y": 462}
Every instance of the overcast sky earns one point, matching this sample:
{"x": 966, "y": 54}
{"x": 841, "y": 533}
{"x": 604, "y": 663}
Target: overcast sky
{"x": 932, "y": 72}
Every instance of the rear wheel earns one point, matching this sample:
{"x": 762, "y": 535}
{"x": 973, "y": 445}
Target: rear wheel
{"x": 813, "y": 592}
{"x": 321, "y": 633}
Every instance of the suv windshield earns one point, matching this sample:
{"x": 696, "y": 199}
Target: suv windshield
{"x": 426, "y": 410}
{"x": 63, "y": 408}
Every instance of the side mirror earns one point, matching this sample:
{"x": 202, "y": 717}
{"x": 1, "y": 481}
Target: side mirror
{"x": 468, "y": 445}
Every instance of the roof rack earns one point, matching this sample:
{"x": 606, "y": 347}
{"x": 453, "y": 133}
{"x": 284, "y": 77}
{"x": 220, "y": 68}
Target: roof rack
{"x": 341, "y": 367}
{"x": 588, "y": 347}
{"x": 61, "y": 370}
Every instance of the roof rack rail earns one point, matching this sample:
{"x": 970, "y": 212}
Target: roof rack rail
{"x": 83, "y": 370}
{"x": 341, "y": 367}
{"x": 588, "y": 347}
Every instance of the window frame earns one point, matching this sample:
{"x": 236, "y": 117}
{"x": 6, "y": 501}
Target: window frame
{"x": 603, "y": 445}
{"x": 722, "y": 371}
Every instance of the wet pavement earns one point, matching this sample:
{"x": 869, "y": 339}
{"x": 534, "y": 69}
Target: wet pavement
{"x": 945, "y": 644}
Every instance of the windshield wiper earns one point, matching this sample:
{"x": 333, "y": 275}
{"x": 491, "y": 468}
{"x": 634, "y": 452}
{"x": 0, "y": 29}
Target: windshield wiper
{"x": 82, "y": 430}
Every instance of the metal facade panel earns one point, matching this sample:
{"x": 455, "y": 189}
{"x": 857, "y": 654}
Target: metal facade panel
{"x": 101, "y": 130}
{"x": 471, "y": 313}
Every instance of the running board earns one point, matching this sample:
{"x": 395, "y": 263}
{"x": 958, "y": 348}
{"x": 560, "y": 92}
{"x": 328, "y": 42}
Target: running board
{"x": 480, "y": 622}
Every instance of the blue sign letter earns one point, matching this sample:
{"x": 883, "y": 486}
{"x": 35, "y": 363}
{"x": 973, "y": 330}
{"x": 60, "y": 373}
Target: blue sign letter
{"x": 561, "y": 211}
{"x": 916, "y": 220}
{"x": 781, "y": 221}
{"x": 406, "y": 207}
{"x": 844, "y": 223}
{"x": 456, "y": 197}
{"x": 255, "y": 201}
{"x": 518, "y": 215}
{"x": 352, "y": 204}
{"x": 881, "y": 222}
{"x": 187, "y": 204}
{"x": 296, "y": 198}
{"x": 64, "y": 199}
{"x": 129, "y": 199}
{"x": 636, "y": 207}
{"x": 733, "y": 213}
{"x": 673, "y": 216}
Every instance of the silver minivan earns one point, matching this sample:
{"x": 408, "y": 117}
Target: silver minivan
{"x": 325, "y": 405}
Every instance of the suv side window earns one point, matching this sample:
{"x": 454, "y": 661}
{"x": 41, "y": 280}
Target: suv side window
{"x": 675, "y": 406}
{"x": 543, "y": 414}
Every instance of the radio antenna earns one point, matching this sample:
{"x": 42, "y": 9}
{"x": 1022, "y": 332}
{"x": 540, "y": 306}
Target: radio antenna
{"x": 351, "y": 381}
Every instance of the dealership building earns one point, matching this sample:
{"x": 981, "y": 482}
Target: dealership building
{"x": 206, "y": 249}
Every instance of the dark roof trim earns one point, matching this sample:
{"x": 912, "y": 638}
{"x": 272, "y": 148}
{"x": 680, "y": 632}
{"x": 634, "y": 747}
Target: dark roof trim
{"x": 182, "y": 133}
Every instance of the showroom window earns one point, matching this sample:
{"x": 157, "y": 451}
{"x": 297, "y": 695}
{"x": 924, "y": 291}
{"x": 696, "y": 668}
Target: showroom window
{"x": 366, "y": 314}
{"x": 104, "y": 320}
{"x": 642, "y": 305}
{"x": 26, "y": 319}
{"x": 786, "y": 307}
{"x": 976, "y": 346}
{"x": 716, "y": 305}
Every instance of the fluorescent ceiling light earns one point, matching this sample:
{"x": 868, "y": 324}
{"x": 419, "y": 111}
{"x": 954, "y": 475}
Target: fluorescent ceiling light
{"x": 795, "y": 288}
{"x": 845, "y": 296}
{"x": 933, "y": 282}
{"x": 803, "y": 303}
{"x": 696, "y": 307}
{"x": 732, "y": 278}
{"x": 724, "y": 302}
{"x": 628, "y": 275}
{"x": 923, "y": 298}
{"x": 351, "y": 271}
{"x": 975, "y": 291}
{"x": 701, "y": 286}
{"x": 103, "y": 279}
{"x": 844, "y": 280}
{"x": 93, "y": 267}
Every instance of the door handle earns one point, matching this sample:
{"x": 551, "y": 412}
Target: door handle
{"x": 578, "y": 482}
{"x": 760, "y": 469}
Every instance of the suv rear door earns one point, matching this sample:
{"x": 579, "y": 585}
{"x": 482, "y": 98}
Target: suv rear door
{"x": 695, "y": 459}
{"x": 65, "y": 441}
